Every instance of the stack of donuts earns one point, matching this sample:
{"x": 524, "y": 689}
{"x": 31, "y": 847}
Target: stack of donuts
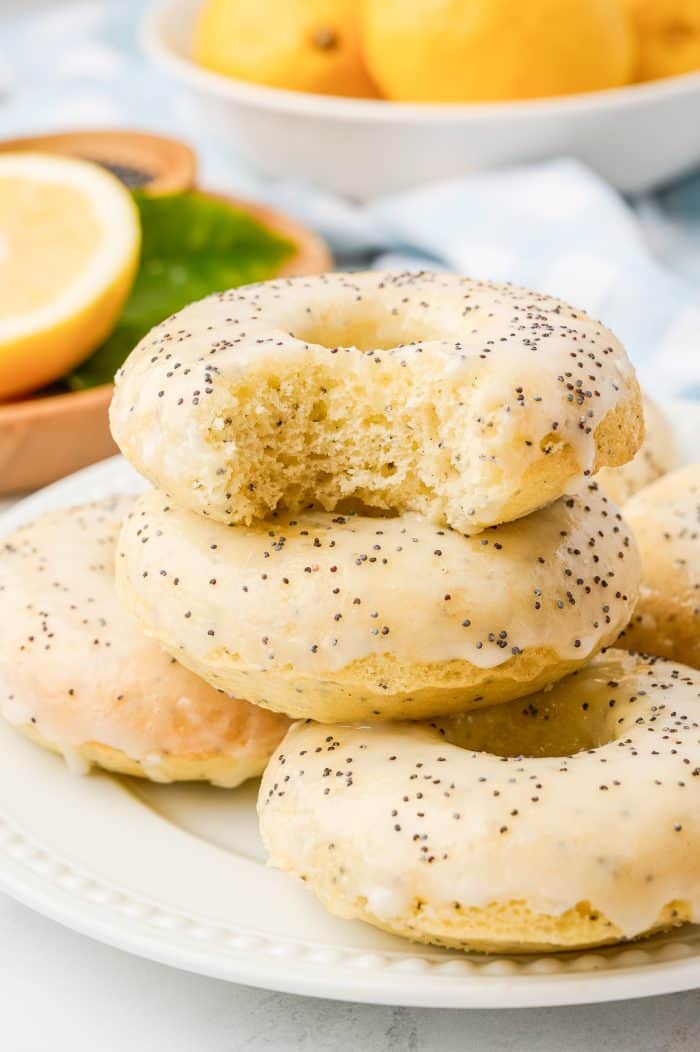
{"x": 377, "y": 511}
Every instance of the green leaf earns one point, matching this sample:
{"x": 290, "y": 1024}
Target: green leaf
{"x": 192, "y": 245}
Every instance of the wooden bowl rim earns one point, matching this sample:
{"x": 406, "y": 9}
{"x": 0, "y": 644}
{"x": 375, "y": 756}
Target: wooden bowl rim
{"x": 313, "y": 255}
{"x": 178, "y": 160}
{"x": 55, "y": 404}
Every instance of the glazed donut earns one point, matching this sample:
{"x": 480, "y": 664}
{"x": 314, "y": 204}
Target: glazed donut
{"x": 78, "y": 676}
{"x": 665, "y": 518}
{"x": 567, "y": 819}
{"x": 656, "y": 457}
{"x": 469, "y": 402}
{"x": 349, "y": 617}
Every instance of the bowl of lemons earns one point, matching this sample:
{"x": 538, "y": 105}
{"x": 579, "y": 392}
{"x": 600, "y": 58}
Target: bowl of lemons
{"x": 364, "y": 97}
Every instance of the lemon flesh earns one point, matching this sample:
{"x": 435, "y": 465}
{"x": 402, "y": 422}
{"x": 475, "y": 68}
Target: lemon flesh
{"x": 69, "y": 249}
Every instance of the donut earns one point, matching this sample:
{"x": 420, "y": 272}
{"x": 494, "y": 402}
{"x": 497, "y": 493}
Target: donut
{"x": 468, "y": 402}
{"x": 656, "y": 457}
{"x": 665, "y": 518}
{"x": 77, "y": 675}
{"x": 567, "y": 819}
{"x": 351, "y": 617}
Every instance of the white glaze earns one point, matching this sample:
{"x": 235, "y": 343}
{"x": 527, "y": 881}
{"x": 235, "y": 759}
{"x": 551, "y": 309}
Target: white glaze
{"x": 612, "y": 820}
{"x": 76, "y": 763}
{"x": 75, "y": 666}
{"x": 318, "y": 591}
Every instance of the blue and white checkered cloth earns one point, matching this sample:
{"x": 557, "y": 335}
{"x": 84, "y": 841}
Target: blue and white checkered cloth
{"x": 554, "y": 226}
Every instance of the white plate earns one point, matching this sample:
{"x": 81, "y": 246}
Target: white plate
{"x": 177, "y": 874}
{"x": 635, "y": 136}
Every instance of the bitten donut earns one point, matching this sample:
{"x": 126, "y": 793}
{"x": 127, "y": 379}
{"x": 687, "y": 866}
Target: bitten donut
{"x": 567, "y": 819}
{"x": 469, "y": 402}
{"x": 340, "y": 617}
{"x": 78, "y": 676}
{"x": 665, "y": 518}
{"x": 657, "y": 456}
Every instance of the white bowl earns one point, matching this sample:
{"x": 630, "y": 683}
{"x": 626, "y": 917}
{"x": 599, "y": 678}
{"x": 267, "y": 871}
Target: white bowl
{"x": 636, "y": 137}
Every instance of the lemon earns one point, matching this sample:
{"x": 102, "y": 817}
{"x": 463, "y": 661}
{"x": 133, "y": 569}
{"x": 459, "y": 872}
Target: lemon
{"x": 69, "y": 247}
{"x": 477, "y": 50}
{"x": 668, "y": 34}
{"x": 302, "y": 45}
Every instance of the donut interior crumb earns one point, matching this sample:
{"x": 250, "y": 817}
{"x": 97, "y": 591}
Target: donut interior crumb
{"x": 372, "y": 431}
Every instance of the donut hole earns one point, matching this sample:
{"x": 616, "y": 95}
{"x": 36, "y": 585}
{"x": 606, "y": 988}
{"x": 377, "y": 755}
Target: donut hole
{"x": 370, "y": 327}
{"x": 575, "y": 716}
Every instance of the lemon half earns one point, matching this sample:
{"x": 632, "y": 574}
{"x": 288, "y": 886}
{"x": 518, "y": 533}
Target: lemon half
{"x": 69, "y": 249}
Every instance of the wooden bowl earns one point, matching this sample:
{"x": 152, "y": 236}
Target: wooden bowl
{"x": 49, "y": 436}
{"x": 152, "y": 162}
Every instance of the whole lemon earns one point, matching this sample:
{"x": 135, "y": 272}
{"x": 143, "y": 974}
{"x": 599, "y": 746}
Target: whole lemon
{"x": 668, "y": 36}
{"x": 302, "y": 45}
{"x": 478, "y": 50}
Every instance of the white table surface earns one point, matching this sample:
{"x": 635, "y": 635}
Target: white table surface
{"x": 62, "y": 992}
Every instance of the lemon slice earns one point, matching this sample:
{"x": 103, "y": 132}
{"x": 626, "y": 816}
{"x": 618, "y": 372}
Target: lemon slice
{"x": 69, "y": 249}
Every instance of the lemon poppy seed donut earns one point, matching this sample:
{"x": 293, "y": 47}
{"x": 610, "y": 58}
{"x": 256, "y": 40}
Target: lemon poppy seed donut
{"x": 665, "y": 518}
{"x": 469, "y": 402}
{"x": 567, "y": 819}
{"x": 78, "y": 676}
{"x": 656, "y": 457}
{"x": 345, "y": 617}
